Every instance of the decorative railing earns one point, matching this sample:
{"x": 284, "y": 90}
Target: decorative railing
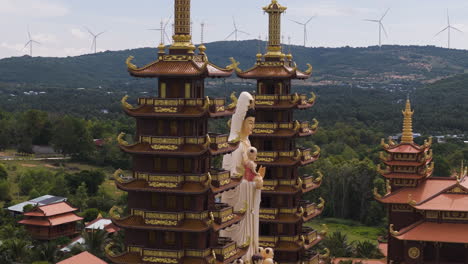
{"x": 174, "y": 105}
{"x": 298, "y": 154}
{"x": 220, "y": 215}
{"x": 307, "y": 181}
{"x": 269, "y": 185}
{"x": 216, "y": 141}
{"x": 271, "y": 241}
{"x": 219, "y": 178}
{"x": 271, "y": 128}
{"x": 273, "y": 213}
{"x": 270, "y": 100}
{"x": 167, "y": 256}
{"x": 225, "y": 249}
{"x": 309, "y": 234}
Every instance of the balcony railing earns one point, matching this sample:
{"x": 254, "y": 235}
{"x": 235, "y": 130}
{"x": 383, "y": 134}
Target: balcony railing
{"x": 175, "y": 105}
{"x": 167, "y": 256}
{"x": 220, "y": 215}
{"x": 225, "y": 249}
{"x": 271, "y": 241}
{"x": 215, "y": 141}
{"x": 299, "y": 155}
{"x": 269, "y": 185}
{"x": 273, "y": 213}
{"x": 310, "y": 235}
{"x": 270, "y": 100}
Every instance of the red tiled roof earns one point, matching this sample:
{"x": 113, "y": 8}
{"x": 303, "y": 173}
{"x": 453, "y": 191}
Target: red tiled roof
{"x": 51, "y": 209}
{"x": 52, "y": 221}
{"x": 83, "y": 258}
{"x": 435, "y": 232}
{"x": 446, "y": 202}
{"x": 180, "y": 68}
{"x": 364, "y": 261}
{"x": 405, "y": 148}
{"x": 65, "y": 218}
{"x": 424, "y": 191}
{"x": 409, "y": 176}
{"x": 383, "y": 247}
{"x": 272, "y": 72}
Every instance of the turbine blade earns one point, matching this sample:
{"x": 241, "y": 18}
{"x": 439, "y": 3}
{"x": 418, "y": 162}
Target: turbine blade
{"x": 310, "y": 20}
{"x": 27, "y": 43}
{"x": 456, "y": 29}
{"x": 385, "y": 31}
{"x": 167, "y": 37}
{"x": 167, "y": 22}
{"x": 448, "y": 17}
{"x": 36, "y": 42}
{"x": 89, "y": 31}
{"x": 29, "y": 33}
{"x": 302, "y": 24}
{"x": 234, "y": 23}
{"x": 101, "y": 33}
{"x": 230, "y": 35}
{"x": 441, "y": 31}
{"x": 386, "y": 12}
{"x": 243, "y": 32}
{"x": 371, "y": 20}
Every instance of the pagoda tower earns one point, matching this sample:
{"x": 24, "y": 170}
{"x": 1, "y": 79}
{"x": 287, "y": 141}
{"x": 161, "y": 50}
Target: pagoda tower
{"x": 172, "y": 215}
{"x": 283, "y": 211}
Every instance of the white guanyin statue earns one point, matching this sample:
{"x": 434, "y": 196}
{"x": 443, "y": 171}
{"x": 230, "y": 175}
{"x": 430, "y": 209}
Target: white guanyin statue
{"x": 241, "y": 163}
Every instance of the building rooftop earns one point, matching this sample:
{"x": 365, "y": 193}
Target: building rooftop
{"x": 43, "y": 200}
{"x": 83, "y": 258}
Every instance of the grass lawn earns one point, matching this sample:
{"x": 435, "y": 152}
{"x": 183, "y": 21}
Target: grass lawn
{"x": 354, "y": 230}
{"x": 16, "y": 167}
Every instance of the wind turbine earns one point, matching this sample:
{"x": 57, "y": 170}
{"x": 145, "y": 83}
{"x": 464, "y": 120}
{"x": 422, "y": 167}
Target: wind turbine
{"x": 381, "y": 26}
{"x": 448, "y": 28}
{"x": 30, "y": 43}
{"x": 95, "y": 36}
{"x": 236, "y": 30}
{"x": 305, "y": 27}
{"x": 162, "y": 29}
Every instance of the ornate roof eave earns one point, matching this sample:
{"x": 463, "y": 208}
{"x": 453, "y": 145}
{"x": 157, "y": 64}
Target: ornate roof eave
{"x": 292, "y": 73}
{"x": 199, "y": 71}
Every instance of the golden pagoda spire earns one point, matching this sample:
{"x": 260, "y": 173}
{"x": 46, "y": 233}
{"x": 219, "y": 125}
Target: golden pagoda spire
{"x": 182, "y": 33}
{"x": 274, "y": 11}
{"x": 407, "y": 135}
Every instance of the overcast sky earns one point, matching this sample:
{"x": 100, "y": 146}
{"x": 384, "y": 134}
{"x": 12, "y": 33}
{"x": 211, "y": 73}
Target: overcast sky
{"x": 60, "y": 24}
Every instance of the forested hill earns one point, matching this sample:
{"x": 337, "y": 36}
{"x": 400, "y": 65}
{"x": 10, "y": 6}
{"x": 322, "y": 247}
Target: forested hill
{"x": 364, "y": 66}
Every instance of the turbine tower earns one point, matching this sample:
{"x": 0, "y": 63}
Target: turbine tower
{"x": 95, "y": 36}
{"x": 448, "y": 28}
{"x": 305, "y": 28}
{"x": 381, "y": 26}
{"x": 30, "y": 43}
{"x": 162, "y": 29}
{"x": 236, "y": 30}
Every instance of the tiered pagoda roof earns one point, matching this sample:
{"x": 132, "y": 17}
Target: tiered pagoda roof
{"x": 426, "y": 213}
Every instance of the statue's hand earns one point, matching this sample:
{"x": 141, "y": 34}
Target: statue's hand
{"x": 261, "y": 171}
{"x": 258, "y": 182}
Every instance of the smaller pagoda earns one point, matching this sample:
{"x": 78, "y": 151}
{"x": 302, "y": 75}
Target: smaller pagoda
{"x": 51, "y": 221}
{"x": 428, "y": 216}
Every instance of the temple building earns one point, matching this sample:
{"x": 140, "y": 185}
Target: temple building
{"x": 49, "y": 222}
{"x": 172, "y": 214}
{"x": 428, "y": 216}
{"x": 283, "y": 211}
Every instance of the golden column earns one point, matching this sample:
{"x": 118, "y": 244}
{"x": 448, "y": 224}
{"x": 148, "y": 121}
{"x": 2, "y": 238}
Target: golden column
{"x": 407, "y": 135}
{"x": 274, "y": 11}
{"x": 182, "y": 35}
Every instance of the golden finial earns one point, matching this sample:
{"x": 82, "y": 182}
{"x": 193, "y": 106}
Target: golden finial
{"x": 125, "y": 104}
{"x": 407, "y": 135}
{"x": 234, "y": 65}
{"x": 312, "y": 98}
{"x": 297, "y": 126}
{"x": 324, "y": 231}
{"x": 233, "y": 104}
{"x": 120, "y": 139}
{"x": 113, "y": 212}
{"x": 377, "y": 194}
{"x": 274, "y": 11}
{"x": 388, "y": 186}
{"x": 393, "y": 232}
{"x": 317, "y": 151}
{"x": 383, "y": 144}
{"x": 319, "y": 178}
{"x": 129, "y": 63}
{"x": 309, "y": 69}
{"x": 209, "y": 179}
{"x": 326, "y": 255}
{"x": 299, "y": 183}
{"x": 296, "y": 98}
{"x": 315, "y": 125}
{"x": 182, "y": 26}
{"x": 411, "y": 201}
{"x": 321, "y": 204}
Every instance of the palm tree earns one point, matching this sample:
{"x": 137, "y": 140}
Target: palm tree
{"x": 46, "y": 251}
{"x": 17, "y": 250}
{"x": 338, "y": 245}
{"x": 366, "y": 249}
{"x": 95, "y": 241}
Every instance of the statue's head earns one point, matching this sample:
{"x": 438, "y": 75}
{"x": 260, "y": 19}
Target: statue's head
{"x": 248, "y": 124}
